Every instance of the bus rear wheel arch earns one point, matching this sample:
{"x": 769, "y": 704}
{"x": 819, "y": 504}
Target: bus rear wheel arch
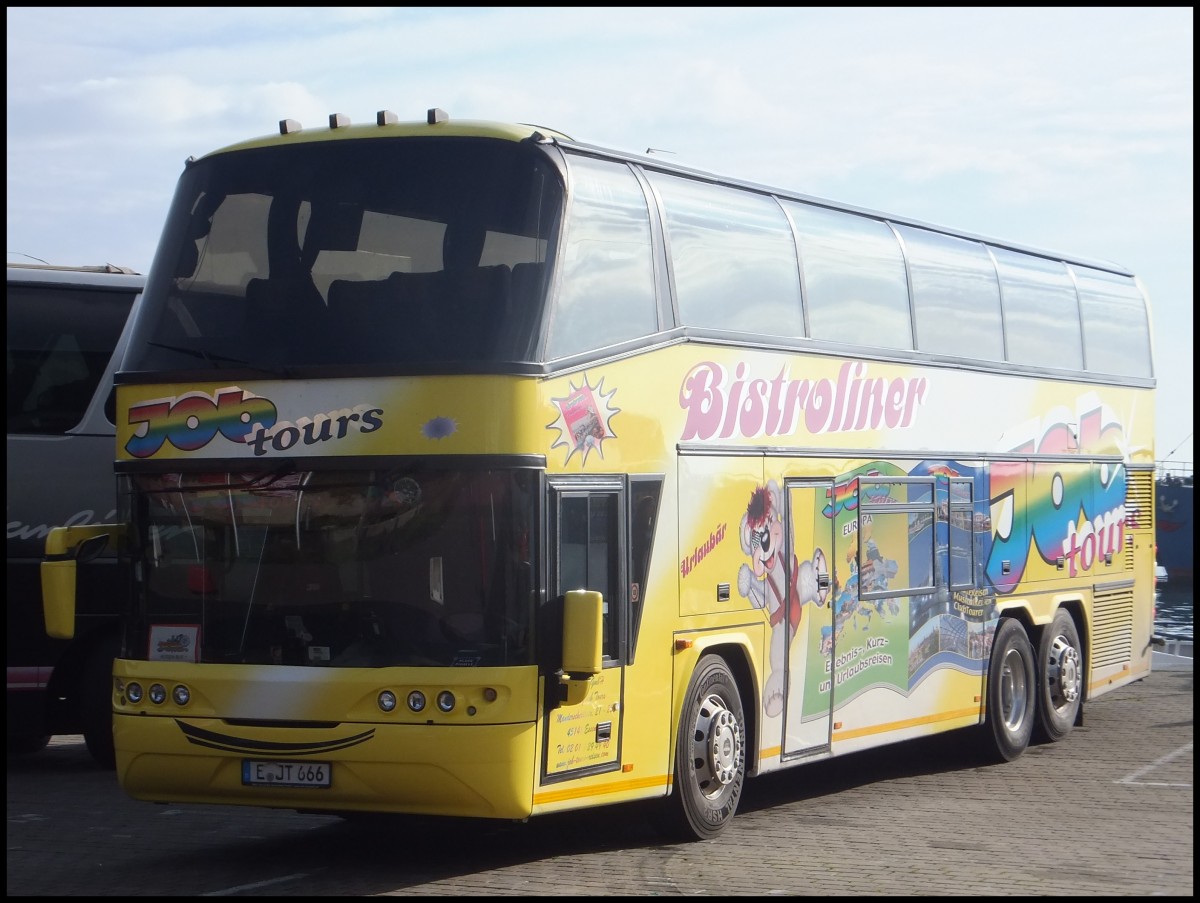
{"x": 1011, "y": 694}
{"x": 1060, "y": 670}
{"x": 710, "y": 755}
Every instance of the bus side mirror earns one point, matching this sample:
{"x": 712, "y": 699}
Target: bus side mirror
{"x": 65, "y": 548}
{"x": 583, "y": 631}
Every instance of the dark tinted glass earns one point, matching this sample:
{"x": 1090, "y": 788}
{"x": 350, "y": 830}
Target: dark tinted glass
{"x": 376, "y": 251}
{"x": 59, "y": 341}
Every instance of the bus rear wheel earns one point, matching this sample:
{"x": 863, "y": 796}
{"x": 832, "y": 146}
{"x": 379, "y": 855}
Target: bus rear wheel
{"x": 1060, "y": 678}
{"x": 710, "y": 757}
{"x": 1011, "y": 696}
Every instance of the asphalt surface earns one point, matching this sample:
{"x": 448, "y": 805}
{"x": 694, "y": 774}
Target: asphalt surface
{"x": 1107, "y": 811}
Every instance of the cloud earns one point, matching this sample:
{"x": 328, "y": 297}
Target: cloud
{"x": 1052, "y": 126}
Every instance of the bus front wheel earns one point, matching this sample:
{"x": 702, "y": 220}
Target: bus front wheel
{"x": 96, "y": 705}
{"x": 1011, "y": 696}
{"x": 1060, "y": 678}
{"x": 710, "y": 757}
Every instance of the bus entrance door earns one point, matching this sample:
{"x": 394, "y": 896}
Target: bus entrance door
{"x": 806, "y": 633}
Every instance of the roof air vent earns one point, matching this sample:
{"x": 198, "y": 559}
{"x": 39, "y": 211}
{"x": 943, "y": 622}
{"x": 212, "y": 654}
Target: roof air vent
{"x": 288, "y": 126}
{"x": 435, "y": 115}
{"x": 338, "y": 120}
{"x": 386, "y": 117}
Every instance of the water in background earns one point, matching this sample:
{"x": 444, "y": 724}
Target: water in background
{"x": 1173, "y": 614}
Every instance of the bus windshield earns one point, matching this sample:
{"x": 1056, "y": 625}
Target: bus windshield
{"x": 335, "y": 569}
{"x": 373, "y": 251}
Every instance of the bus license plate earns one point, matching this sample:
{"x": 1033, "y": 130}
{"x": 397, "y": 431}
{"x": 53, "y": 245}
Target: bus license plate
{"x": 286, "y": 774}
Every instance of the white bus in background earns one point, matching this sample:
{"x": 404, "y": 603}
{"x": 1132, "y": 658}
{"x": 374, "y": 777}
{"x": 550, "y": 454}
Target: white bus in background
{"x": 64, "y": 328}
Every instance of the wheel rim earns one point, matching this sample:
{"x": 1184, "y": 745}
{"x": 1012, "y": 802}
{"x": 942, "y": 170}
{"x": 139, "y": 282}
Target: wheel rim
{"x": 1064, "y": 673}
{"x": 717, "y": 748}
{"x": 1014, "y": 691}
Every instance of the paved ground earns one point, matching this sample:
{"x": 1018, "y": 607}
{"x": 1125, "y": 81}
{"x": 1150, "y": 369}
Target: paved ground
{"x": 1108, "y": 811}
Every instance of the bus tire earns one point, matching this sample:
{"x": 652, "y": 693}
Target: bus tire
{"x": 1059, "y": 679}
{"x": 1011, "y": 694}
{"x": 96, "y": 706}
{"x": 710, "y": 756}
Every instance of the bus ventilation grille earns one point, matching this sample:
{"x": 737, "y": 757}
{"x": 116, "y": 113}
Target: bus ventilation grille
{"x": 1112, "y": 639}
{"x": 1139, "y": 500}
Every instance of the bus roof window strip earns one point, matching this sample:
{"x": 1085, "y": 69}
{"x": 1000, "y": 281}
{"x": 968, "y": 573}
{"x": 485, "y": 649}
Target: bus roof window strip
{"x": 853, "y": 272}
{"x": 955, "y": 295}
{"x": 727, "y": 243}
{"x": 1041, "y": 310}
{"x": 1116, "y": 331}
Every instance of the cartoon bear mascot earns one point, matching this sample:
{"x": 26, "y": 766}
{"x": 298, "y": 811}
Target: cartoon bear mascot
{"x": 765, "y": 582}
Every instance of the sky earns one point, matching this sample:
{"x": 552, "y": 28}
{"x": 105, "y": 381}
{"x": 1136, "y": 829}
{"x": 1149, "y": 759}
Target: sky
{"x": 1068, "y": 129}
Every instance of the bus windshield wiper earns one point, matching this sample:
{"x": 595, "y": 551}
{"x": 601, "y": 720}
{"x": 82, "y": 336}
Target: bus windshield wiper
{"x": 215, "y": 360}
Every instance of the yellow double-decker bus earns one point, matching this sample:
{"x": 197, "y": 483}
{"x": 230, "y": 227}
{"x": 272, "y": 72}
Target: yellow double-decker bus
{"x": 466, "y": 469}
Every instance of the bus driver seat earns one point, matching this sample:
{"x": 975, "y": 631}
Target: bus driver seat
{"x": 472, "y": 300}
